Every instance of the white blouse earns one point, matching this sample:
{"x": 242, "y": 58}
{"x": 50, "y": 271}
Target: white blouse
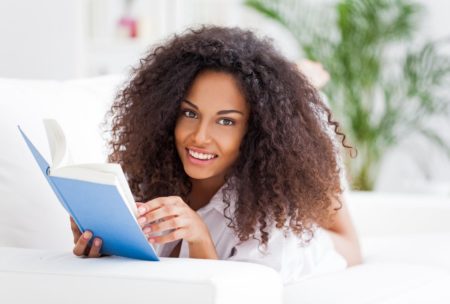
{"x": 283, "y": 253}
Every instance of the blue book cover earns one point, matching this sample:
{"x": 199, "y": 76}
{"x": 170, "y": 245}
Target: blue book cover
{"x": 100, "y": 209}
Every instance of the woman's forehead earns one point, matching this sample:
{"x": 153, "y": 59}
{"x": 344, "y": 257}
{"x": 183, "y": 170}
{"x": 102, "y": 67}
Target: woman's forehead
{"x": 216, "y": 91}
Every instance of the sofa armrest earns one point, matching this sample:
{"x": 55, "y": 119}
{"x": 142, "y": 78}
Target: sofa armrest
{"x": 61, "y": 277}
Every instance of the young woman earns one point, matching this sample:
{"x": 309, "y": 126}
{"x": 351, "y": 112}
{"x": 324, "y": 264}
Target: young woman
{"x": 231, "y": 154}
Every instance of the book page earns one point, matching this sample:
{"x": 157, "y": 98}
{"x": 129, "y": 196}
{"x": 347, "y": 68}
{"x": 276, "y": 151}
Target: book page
{"x": 58, "y": 145}
{"x": 62, "y": 166}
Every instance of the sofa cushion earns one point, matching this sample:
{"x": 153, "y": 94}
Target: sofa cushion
{"x": 396, "y": 269}
{"x": 372, "y": 283}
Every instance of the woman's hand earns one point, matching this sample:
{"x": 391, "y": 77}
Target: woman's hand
{"x": 172, "y": 217}
{"x": 81, "y": 241}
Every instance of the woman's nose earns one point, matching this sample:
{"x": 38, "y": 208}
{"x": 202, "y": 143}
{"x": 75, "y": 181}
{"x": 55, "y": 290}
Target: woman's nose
{"x": 201, "y": 134}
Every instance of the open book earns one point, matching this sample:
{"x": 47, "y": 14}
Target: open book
{"x": 97, "y": 196}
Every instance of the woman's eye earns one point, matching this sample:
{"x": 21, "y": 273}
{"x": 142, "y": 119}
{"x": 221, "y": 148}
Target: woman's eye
{"x": 226, "y": 122}
{"x": 189, "y": 114}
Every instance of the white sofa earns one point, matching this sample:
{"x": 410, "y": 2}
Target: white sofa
{"x": 405, "y": 238}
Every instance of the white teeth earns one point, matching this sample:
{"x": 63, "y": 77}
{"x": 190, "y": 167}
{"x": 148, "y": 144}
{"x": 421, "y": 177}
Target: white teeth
{"x": 201, "y": 155}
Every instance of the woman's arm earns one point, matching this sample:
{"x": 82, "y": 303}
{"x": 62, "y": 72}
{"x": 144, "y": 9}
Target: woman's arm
{"x": 344, "y": 236}
{"x": 203, "y": 249}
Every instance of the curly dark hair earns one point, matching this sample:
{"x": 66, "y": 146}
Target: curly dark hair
{"x": 287, "y": 173}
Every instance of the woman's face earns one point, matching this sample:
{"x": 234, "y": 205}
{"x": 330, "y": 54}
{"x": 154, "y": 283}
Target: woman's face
{"x": 211, "y": 124}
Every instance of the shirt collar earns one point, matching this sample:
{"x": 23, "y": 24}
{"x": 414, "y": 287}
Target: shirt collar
{"x": 217, "y": 203}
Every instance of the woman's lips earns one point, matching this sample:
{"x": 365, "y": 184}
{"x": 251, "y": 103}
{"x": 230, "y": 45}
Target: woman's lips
{"x": 197, "y": 161}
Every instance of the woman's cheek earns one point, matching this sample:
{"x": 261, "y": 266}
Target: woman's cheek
{"x": 182, "y": 130}
{"x": 230, "y": 142}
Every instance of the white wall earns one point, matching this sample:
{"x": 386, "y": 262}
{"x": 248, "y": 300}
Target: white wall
{"x": 437, "y": 23}
{"x": 51, "y": 38}
{"x": 41, "y": 39}
{"x": 59, "y": 39}
{"x": 63, "y": 39}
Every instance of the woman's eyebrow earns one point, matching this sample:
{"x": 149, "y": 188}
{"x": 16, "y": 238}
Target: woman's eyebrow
{"x": 219, "y": 113}
{"x": 190, "y": 103}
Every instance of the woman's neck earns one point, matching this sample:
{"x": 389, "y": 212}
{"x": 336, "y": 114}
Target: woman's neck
{"x": 202, "y": 191}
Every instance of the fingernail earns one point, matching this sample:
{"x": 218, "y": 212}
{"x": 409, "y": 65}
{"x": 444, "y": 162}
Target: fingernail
{"x": 141, "y": 210}
{"x": 97, "y": 242}
{"x": 151, "y": 240}
{"x": 141, "y": 220}
{"x": 87, "y": 235}
{"x": 147, "y": 230}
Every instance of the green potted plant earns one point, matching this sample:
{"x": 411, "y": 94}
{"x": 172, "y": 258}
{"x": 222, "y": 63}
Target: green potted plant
{"x": 385, "y": 85}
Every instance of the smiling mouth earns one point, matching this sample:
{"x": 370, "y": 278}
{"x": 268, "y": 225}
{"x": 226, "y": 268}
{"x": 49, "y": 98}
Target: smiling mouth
{"x": 201, "y": 156}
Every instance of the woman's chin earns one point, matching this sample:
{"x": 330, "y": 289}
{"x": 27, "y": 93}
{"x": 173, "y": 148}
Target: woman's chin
{"x": 198, "y": 175}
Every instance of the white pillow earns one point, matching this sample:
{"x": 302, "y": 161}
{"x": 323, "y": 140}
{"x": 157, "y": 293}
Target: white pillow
{"x": 30, "y": 214}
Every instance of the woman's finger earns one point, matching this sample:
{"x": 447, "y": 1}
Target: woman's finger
{"x": 159, "y": 202}
{"x": 151, "y": 205}
{"x": 158, "y": 214}
{"x": 75, "y": 231}
{"x": 168, "y": 224}
{"x": 82, "y": 244}
{"x": 177, "y": 234}
{"x": 95, "y": 248}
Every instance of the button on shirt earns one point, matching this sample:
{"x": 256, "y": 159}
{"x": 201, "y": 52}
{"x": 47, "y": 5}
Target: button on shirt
{"x": 284, "y": 253}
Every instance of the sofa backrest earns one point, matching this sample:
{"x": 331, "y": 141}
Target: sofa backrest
{"x": 30, "y": 215}
{"x": 386, "y": 214}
